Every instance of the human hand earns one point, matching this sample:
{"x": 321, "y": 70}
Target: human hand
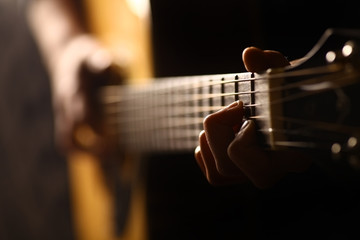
{"x": 228, "y": 150}
{"x": 79, "y": 68}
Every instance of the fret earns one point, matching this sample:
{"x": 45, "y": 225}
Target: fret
{"x": 222, "y": 91}
{"x": 199, "y": 103}
{"x": 143, "y": 132}
{"x": 229, "y": 89}
{"x": 154, "y": 135}
{"x": 179, "y": 101}
{"x": 217, "y": 96}
{"x": 190, "y": 112}
{"x": 138, "y": 126}
{"x": 244, "y": 86}
{"x": 161, "y": 108}
{"x": 203, "y": 107}
{"x": 158, "y": 98}
{"x": 268, "y": 113}
{"x": 236, "y": 86}
{"x": 211, "y": 101}
{"x": 252, "y": 96}
{"x": 164, "y": 106}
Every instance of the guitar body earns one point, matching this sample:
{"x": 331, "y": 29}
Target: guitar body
{"x": 124, "y": 29}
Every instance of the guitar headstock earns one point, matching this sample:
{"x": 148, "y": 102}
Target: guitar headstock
{"x": 318, "y": 98}
{"x": 335, "y": 45}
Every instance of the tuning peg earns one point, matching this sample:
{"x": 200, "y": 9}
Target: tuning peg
{"x": 337, "y": 151}
{"x": 336, "y": 148}
{"x": 351, "y": 53}
{"x": 352, "y": 143}
{"x": 331, "y": 56}
{"x": 352, "y": 146}
{"x": 350, "y": 48}
{"x": 349, "y": 150}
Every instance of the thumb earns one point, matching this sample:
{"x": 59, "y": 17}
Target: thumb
{"x": 248, "y": 156}
{"x": 257, "y": 60}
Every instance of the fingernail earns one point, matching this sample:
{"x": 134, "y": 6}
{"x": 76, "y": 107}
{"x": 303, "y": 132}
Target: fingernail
{"x": 200, "y": 160}
{"x": 197, "y": 149}
{"x": 234, "y": 104}
{"x": 244, "y": 125}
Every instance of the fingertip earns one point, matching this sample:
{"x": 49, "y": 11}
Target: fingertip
{"x": 199, "y": 160}
{"x": 244, "y": 125}
{"x": 234, "y": 105}
{"x": 202, "y": 139}
{"x": 226, "y": 117}
{"x": 197, "y": 150}
{"x": 251, "y": 50}
{"x": 201, "y": 133}
{"x": 253, "y": 59}
{"x": 258, "y": 60}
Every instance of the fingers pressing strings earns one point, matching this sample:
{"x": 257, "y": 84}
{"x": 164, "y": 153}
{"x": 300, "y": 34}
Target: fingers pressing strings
{"x": 207, "y": 164}
{"x": 219, "y": 131}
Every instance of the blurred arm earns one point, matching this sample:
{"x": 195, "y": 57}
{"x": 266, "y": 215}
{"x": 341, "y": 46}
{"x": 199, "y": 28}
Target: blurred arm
{"x": 54, "y": 24}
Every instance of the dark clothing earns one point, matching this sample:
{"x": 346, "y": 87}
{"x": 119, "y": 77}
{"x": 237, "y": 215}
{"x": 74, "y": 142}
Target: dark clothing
{"x": 34, "y": 197}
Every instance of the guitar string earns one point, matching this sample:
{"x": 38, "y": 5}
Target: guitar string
{"x": 162, "y": 123}
{"x": 180, "y": 123}
{"x": 179, "y": 134}
{"x": 110, "y": 94}
{"x": 214, "y": 107}
{"x": 179, "y": 139}
{"x": 182, "y": 108}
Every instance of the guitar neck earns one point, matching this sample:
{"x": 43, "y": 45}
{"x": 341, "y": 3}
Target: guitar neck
{"x": 167, "y": 115}
{"x": 294, "y": 107}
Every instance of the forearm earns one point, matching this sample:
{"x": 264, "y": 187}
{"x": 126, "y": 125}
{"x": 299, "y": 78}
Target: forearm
{"x": 54, "y": 24}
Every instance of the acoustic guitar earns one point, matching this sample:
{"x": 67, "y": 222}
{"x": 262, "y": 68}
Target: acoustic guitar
{"x": 310, "y": 105}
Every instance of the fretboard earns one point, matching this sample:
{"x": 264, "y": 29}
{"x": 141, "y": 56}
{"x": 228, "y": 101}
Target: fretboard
{"x": 167, "y": 115}
{"x": 311, "y": 104}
